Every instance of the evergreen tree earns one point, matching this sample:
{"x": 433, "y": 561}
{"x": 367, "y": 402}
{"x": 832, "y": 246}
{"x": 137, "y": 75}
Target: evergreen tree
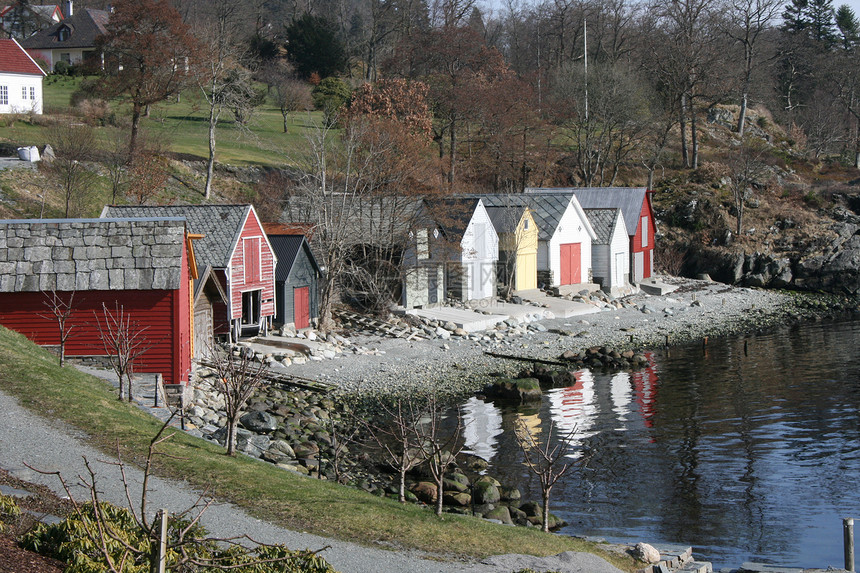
{"x": 822, "y": 28}
{"x": 313, "y": 45}
{"x": 849, "y": 27}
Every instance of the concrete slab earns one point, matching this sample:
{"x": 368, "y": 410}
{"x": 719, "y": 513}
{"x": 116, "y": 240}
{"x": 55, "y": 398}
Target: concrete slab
{"x": 753, "y": 567}
{"x": 655, "y": 287}
{"x": 468, "y": 320}
{"x": 559, "y": 307}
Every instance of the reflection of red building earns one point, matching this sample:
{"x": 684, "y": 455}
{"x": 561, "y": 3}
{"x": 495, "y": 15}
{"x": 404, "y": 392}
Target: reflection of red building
{"x": 645, "y": 389}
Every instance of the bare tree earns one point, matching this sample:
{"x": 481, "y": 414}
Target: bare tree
{"x": 73, "y": 147}
{"x": 237, "y": 378}
{"x": 61, "y": 311}
{"x": 440, "y": 447}
{"x": 124, "y": 341}
{"x": 291, "y": 93}
{"x": 746, "y": 171}
{"x": 548, "y": 462}
{"x": 115, "y": 538}
{"x": 398, "y": 437}
{"x": 115, "y": 158}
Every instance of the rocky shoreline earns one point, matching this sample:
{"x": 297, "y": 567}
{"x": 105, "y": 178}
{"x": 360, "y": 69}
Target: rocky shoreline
{"x": 298, "y": 429}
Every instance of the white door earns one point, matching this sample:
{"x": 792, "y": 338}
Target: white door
{"x": 618, "y": 270}
{"x": 638, "y": 267}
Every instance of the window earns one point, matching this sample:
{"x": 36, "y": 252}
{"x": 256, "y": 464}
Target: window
{"x": 23, "y": 92}
{"x": 63, "y": 34}
{"x": 4, "y": 95}
{"x": 644, "y": 225}
{"x": 32, "y": 93}
{"x": 423, "y": 244}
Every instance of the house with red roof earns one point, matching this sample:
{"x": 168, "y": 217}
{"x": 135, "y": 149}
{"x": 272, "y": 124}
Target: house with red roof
{"x": 20, "y": 80}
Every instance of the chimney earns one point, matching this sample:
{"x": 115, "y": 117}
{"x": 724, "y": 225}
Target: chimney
{"x": 68, "y": 8}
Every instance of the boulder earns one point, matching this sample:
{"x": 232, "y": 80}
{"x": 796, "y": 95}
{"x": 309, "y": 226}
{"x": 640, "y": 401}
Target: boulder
{"x": 259, "y": 421}
{"x": 456, "y": 498}
{"x": 520, "y": 389}
{"x": 304, "y": 450}
{"x": 647, "y": 553}
{"x": 425, "y": 491}
{"x": 485, "y": 492}
{"x": 500, "y": 513}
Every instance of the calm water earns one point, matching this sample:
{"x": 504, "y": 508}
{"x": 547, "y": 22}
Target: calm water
{"x": 752, "y": 457}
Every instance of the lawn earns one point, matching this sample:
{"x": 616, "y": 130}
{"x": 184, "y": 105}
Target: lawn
{"x": 182, "y": 123}
{"x": 33, "y": 376}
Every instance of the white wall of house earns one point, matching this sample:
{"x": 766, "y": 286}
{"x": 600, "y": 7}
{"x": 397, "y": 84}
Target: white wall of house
{"x": 612, "y": 261}
{"x": 20, "y": 93}
{"x": 573, "y": 228}
{"x": 479, "y": 253}
{"x": 72, "y": 56}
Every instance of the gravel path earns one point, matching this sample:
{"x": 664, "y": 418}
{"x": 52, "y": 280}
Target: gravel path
{"x": 697, "y": 309}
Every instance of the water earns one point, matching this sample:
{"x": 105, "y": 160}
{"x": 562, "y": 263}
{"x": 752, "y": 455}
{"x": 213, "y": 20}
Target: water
{"x": 745, "y": 457}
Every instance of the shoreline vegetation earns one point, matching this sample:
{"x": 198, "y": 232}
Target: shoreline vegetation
{"x": 695, "y": 311}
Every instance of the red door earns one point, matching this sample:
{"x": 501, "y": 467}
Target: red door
{"x": 252, "y": 261}
{"x": 302, "y": 307}
{"x": 571, "y": 264}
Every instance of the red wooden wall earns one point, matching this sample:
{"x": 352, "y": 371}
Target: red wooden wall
{"x": 161, "y": 311}
{"x": 650, "y": 231}
{"x": 242, "y": 275}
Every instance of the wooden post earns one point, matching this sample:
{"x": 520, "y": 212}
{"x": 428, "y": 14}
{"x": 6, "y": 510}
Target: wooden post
{"x": 848, "y": 538}
{"x": 746, "y": 342}
{"x": 667, "y": 340}
{"x": 162, "y": 541}
{"x": 704, "y": 342}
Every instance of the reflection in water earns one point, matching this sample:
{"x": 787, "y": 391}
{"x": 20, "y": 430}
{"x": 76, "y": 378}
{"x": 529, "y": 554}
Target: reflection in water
{"x": 745, "y": 457}
{"x": 482, "y": 422}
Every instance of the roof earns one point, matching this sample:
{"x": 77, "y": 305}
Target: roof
{"x": 628, "y": 199}
{"x": 220, "y": 226}
{"x": 547, "y": 210}
{"x": 286, "y": 248}
{"x": 84, "y": 26}
{"x": 91, "y": 254}
{"x": 602, "y": 221}
{"x": 505, "y": 219}
{"x": 15, "y": 60}
{"x": 454, "y": 214}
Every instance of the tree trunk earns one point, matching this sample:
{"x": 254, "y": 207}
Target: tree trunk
{"x": 285, "y": 123}
{"x": 685, "y": 153}
{"x": 129, "y": 376}
{"x": 401, "y": 494}
{"x": 694, "y": 137}
{"x": 545, "y": 524}
{"x": 452, "y": 154}
{"x": 135, "y": 128}
{"x": 742, "y": 116}
{"x": 210, "y": 163}
{"x": 231, "y": 437}
{"x": 439, "y": 493}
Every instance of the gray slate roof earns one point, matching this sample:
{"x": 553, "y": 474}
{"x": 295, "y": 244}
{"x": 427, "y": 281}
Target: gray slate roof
{"x": 547, "y": 209}
{"x": 602, "y": 221}
{"x": 452, "y": 214}
{"x": 84, "y": 26}
{"x": 220, "y": 226}
{"x": 505, "y": 219}
{"x": 628, "y": 199}
{"x": 286, "y": 249}
{"x": 90, "y": 254}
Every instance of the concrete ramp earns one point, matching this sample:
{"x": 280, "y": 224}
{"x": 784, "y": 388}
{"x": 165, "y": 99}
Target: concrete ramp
{"x": 468, "y": 320}
{"x": 560, "y": 308}
{"x": 656, "y": 288}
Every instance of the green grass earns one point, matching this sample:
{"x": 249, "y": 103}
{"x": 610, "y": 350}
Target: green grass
{"x": 183, "y": 125}
{"x": 32, "y": 375}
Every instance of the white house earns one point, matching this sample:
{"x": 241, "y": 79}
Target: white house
{"x": 564, "y": 236}
{"x": 471, "y": 247}
{"x": 610, "y": 254}
{"x": 20, "y": 80}
{"x": 72, "y": 40}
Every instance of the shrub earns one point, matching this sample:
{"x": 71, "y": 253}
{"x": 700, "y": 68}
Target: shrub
{"x": 9, "y": 511}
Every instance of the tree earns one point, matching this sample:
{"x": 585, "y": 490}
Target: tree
{"x": 115, "y": 158}
{"x": 313, "y": 46}
{"x": 154, "y": 52}
{"x": 548, "y": 462}
{"x": 747, "y": 21}
{"x": 61, "y": 311}
{"x": 398, "y": 437}
{"x": 329, "y": 97}
{"x": 849, "y": 27}
{"x": 440, "y": 447}
{"x": 147, "y": 177}
{"x": 291, "y": 93}
{"x": 124, "y": 341}
{"x": 746, "y": 171}
{"x": 73, "y": 148}
{"x": 238, "y": 376}
{"x": 221, "y": 76}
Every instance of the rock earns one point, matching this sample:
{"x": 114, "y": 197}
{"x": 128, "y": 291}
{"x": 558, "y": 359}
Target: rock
{"x": 500, "y": 513}
{"x": 305, "y": 450}
{"x": 510, "y": 494}
{"x": 425, "y": 491}
{"x": 261, "y": 422}
{"x": 520, "y": 389}
{"x": 456, "y": 498}
{"x": 485, "y": 492}
{"x": 647, "y": 553}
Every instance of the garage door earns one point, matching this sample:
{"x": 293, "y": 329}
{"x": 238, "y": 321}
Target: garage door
{"x": 571, "y": 264}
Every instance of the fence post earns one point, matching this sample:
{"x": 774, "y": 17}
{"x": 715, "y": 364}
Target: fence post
{"x": 848, "y": 537}
{"x": 162, "y": 541}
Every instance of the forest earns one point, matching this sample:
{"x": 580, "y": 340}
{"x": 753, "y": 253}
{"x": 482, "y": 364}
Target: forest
{"x": 553, "y": 92}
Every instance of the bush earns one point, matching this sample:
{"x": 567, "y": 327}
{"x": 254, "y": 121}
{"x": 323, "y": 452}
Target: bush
{"x": 9, "y": 512}
{"x": 96, "y": 112}
{"x": 330, "y": 96}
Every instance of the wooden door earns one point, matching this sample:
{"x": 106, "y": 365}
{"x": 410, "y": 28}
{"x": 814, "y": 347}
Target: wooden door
{"x": 252, "y": 260}
{"x": 571, "y": 264}
{"x": 302, "y": 307}
{"x": 203, "y": 334}
{"x": 526, "y": 272}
